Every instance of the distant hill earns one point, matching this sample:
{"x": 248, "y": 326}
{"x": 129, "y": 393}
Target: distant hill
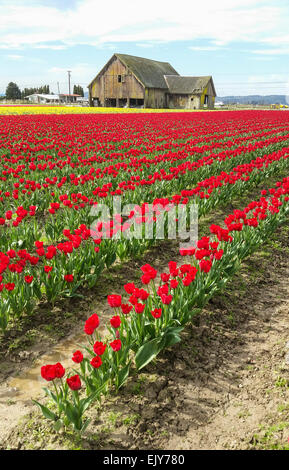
{"x": 254, "y": 99}
{"x": 249, "y": 99}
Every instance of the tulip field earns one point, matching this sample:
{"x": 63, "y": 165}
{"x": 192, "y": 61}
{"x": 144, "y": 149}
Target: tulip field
{"x": 56, "y": 168}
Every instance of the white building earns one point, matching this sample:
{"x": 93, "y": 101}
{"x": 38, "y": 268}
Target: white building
{"x": 82, "y": 100}
{"x": 41, "y": 98}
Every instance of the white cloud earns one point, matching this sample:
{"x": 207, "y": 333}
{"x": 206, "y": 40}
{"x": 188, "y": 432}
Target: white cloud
{"x": 205, "y": 48}
{"x": 257, "y": 84}
{"x": 145, "y": 45}
{"x": 18, "y": 57}
{"x": 262, "y": 58}
{"x": 14, "y": 57}
{"x": 94, "y": 22}
{"x": 208, "y": 26}
{"x": 219, "y": 43}
{"x": 50, "y": 46}
{"x": 273, "y": 77}
{"x": 278, "y": 39}
{"x": 81, "y": 74}
{"x": 274, "y": 51}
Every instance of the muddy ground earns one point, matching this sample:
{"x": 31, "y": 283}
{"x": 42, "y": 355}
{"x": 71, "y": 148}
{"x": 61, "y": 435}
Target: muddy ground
{"x": 225, "y": 386}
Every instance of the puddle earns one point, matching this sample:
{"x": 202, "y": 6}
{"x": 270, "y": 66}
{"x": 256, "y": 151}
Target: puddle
{"x": 29, "y": 384}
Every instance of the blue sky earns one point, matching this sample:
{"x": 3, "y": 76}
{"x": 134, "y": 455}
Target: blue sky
{"x": 243, "y": 44}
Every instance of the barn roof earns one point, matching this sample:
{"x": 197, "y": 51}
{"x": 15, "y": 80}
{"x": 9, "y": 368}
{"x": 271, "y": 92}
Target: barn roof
{"x": 43, "y": 95}
{"x": 187, "y": 85}
{"x": 149, "y": 72}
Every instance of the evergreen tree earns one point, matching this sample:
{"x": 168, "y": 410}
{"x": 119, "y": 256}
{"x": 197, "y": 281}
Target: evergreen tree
{"x": 30, "y": 91}
{"x": 78, "y": 90}
{"x": 13, "y": 92}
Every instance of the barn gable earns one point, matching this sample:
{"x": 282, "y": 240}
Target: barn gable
{"x": 150, "y": 72}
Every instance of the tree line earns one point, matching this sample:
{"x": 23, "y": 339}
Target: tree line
{"x": 13, "y": 91}
{"x": 78, "y": 90}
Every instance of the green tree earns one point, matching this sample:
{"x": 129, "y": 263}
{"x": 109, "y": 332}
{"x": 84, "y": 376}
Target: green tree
{"x": 29, "y": 91}
{"x": 78, "y": 90}
{"x": 13, "y": 92}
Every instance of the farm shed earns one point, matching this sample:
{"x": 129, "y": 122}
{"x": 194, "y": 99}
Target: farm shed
{"x": 42, "y": 98}
{"x": 66, "y": 98}
{"x": 129, "y": 81}
{"x": 190, "y": 92}
{"x": 53, "y": 98}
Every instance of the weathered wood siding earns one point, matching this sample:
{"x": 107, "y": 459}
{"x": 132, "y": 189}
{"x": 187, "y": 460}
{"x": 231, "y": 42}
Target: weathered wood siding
{"x": 184, "y": 101}
{"x": 178, "y": 101}
{"x": 155, "y": 98}
{"x": 211, "y": 103}
{"x": 211, "y": 96}
{"x": 195, "y": 102}
{"x": 107, "y": 86}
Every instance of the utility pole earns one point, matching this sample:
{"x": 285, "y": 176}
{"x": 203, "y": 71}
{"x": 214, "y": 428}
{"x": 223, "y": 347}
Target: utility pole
{"x": 69, "y": 74}
{"x": 58, "y": 88}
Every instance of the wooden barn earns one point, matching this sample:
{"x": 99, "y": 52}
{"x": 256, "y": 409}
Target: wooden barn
{"x": 129, "y": 81}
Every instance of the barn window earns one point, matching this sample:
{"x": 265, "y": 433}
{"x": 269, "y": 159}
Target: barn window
{"x": 119, "y": 78}
{"x": 206, "y": 99}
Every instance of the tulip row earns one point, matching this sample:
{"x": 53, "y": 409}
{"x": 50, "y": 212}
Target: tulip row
{"x": 40, "y": 196}
{"x": 21, "y": 228}
{"x": 61, "y": 269}
{"x": 61, "y": 166}
{"x": 165, "y": 181}
{"x": 151, "y": 318}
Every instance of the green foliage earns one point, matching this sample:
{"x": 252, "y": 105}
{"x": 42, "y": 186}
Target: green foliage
{"x": 78, "y": 90}
{"x": 13, "y": 92}
{"x": 148, "y": 351}
{"x": 30, "y": 91}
